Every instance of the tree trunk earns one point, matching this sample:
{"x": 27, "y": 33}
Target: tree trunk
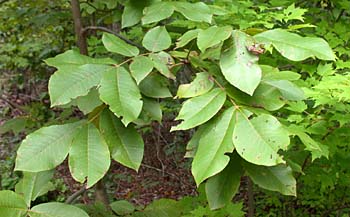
{"x": 78, "y": 27}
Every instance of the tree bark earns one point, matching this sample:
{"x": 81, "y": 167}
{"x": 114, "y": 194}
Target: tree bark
{"x": 78, "y": 27}
{"x": 251, "y": 205}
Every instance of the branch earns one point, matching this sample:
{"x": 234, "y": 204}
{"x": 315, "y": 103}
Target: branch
{"x": 104, "y": 29}
{"x": 76, "y": 194}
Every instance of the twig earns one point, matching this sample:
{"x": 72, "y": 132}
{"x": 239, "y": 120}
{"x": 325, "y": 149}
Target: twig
{"x": 12, "y": 104}
{"x": 159, "y": 170}
{"x": 76, "y": 194}
{"x": 104, "y": 29}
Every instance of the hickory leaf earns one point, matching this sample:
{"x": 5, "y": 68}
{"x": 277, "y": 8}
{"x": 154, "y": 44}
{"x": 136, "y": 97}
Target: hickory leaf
{"x": 125, "y": 144}
{"x": 119, "y": 91}
{"x": 199, "y": 11}
{"x": 161, "y": 61}
{"x": 277, "y": 178}
{"x": 296, "y": 47}
{"x": 157, "y": 39}
{"x": 116, "y": 45}
{"x": 50, "y": 146}
{"x": 187, "y": 37}
{"x": 200, "y": 85}
{"x": 33, "y": 185}
{"x": 54, "y": 209}
{"x": 259, "y": 139}
{"x": 238, "y": 65}
{"x": 200, "y": 109}
{"x": 70, "y": 82}
{"x": 154, "y": 86}
{"x": 157, "y": 12}
{"x": 140, "y": 67}
{"x": 221, "y": 188}
{"x": 212, "y": 36}
{"x": 89, "y": 156}
{"x": 210, "y": 157}
{"x": 12, "y": 204}
{"x": 73, "y": 58}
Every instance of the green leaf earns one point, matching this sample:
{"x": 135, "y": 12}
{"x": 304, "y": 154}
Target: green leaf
{"x": 273, "y": 74}
{"x": 89, "y": 156}
{"x": 200, "y": 109}
{"x": 157, "y": 12}
{"x": 157, "y": 39}
{"x": 199, "y": 11}
{"x": 278, "y": 178}
{"x": 213, "y": 36}
{"x": 258, "y": 140}
{"x": 238, "y": 65}
{"x": 88, "y": 103}
{"x": 70, "y": 82}
{"x": 151, "y": 109}
{"x": 292, "y": 13}
{"x": 54, "y": 209}
{"x": 125, "y": 144}
{"x": 73, "y": 58}
{"x": 50, "y": 146}
{"x": 192, "y": 145}
{"x": 132, "y": 14}
{"x": 296, "y": 47}
{"x": 154, "y": 86}
{"x": 222, "y": 187}
{"x": 140, "y": 67}
{"x": 266, "y": 96}
{"x": 164, "y": 208}
{"x": 317, "y": 150}
{"x": 114, "y": 44}
{"x": 187, "y": 37}
{"x": 16, "y": 124}
{"x": 210, "y": 157}
{"x": 33, "y": 184}
{"x": 120, "y": 92}
{"x": 122, "y": 207}
{"x": 288, "y": 90}
{"x": 200, "y": 85}
{"x": 12, "y": 204}
{"x": 161, "y": 61}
